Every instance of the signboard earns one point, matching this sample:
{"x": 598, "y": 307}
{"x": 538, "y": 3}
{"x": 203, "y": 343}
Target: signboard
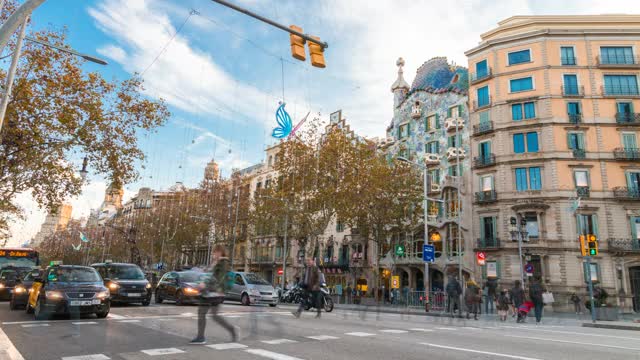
{"x": 280, "y": 272}
{"x": 400, "y": 251}
{"x": 428, "y": 253}
{"x": 159, "y": 266}
{"x": 15, "y": 253}
{"x": 395, "y": 282}
{"x": 492, "y": 269}
{"x": 481, "y": 257}
{"x": 339, "y": 289}
{"x": 528, "y": 269}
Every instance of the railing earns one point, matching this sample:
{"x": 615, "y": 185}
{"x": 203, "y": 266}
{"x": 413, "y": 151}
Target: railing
{"x": 624, "y": 245}
{"x": 478, "y": 77}
{"x": 627, "y": 118}
{"x": 483, "y": 128}
{"x": 487, "y": 243}
{"x": 573, "y": 90}
{"x": 617, "y": 90}
{"x": 484, "y": 161}
{"x": 263, "y": 259}
{"x": 568, "y": 60}
{"x": 617, "y": 61}
{"x": 624, "y": 193}
{"x": 575, "y": 118}
{"x": 486, "y": 196}
{"x": 579, "y": 153}
{"x": 583, "y": 191}
{"x": 477, "y": 106}
{"x": 627, "y": 154}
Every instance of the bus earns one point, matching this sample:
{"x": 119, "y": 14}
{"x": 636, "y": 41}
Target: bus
{"x": 19, "y": 258}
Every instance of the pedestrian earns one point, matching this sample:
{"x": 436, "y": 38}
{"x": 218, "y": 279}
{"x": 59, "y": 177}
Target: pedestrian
{"x": 212, "y": 294}
{"x": 311, "y": 286}
{"x": 502, "y": 305}
{"x": 473, "y": 298}
{"x": 575, "y": 299}
{"x": 535, "y": 294}
{"x": 517, "y": 296}
{"x": 349, "y": 293}
{"x": 453, "y": 293}
{"x": 491, "y": 285}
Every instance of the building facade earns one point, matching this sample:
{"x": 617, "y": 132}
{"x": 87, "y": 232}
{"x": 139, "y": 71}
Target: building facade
{"x": 55, "y": 221}
{"x": 554, "y": 143}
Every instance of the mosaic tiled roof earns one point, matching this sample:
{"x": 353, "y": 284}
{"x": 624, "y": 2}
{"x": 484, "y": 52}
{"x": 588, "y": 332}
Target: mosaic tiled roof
{"x": 437, "y": 73}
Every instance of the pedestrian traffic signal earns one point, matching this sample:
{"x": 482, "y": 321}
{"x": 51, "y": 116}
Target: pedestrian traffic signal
{"x": 317, "y": 53}
{"x": 593, "y": 245}
{"x": 297, "y": 44}
{"x": 583, "y": 246}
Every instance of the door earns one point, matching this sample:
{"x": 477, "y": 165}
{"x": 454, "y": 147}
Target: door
{"x": 485, "y": 151}
{"x": 172, "y": 285}
{"x": 629, "y": 142}
{"x": 237, "y": 288}
{"x": 634, "y": 278}
{"x": 633, "y": 181}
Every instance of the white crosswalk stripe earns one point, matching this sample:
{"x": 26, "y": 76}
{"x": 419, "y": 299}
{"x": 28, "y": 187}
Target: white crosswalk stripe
{"x": 34, "y": 325}
{"x": 227, "y": 346}
{"x": 359, "y": 334}
{"x": 88, "y": 357}
{"x": 278, "y": 341}
{"x": 271, "y": 355}
{"x": 322, "y": 337}
{"x": 84, "y": 323}
{"x": 421, "y": 330}
{"x": 166, "y": 351}
{"x": 394, "y": 331}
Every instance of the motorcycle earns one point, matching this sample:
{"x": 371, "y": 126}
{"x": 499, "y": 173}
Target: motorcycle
{"x": 293, "y": 295}
{"x": 327, "y": 302}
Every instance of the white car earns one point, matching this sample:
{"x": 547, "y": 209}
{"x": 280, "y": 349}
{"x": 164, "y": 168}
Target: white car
{"x": 250, "y": 288}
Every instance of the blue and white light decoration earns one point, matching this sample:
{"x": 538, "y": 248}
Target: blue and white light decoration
{"x": 285, "y": 125}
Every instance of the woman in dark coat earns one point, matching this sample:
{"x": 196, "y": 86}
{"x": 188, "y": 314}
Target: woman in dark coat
{"x": 472, "y": 299}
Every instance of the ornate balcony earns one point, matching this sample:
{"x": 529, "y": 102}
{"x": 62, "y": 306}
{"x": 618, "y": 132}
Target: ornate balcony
{"x": 488, "y": 244}
{"x": 455, "y": 153}
{"x": 481, "y": 76}
{"x": 624, "y": 193}
{"x": 618, "y": 61}
{"x": 483, "y": 128}
{"x": 573, "y": 91}
{"x": 575, "y": 118}
{"x": 624, "y": 245}
{"x": 583, "y": 191}
{"x": 435, "y": 188}
{"x": 628, "y": 118}
{"x": 579, "y": 153}
{"x": 452, "y": 181}
{"x": 484, "y": 161}
{"x": 620, "y": 90}
{"x": 433, "y": 159}
{"x": 486, "y": 197}
{"x": 450, "y": 124}
{"x": 628, "y": 154}
{"x": 416, "y": 111}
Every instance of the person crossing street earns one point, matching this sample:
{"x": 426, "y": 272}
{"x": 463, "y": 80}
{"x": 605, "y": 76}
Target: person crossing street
{"x": 311, "y": 286}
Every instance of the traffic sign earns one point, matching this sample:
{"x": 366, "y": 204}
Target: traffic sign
{"x": 400, "y": 250}
{"x": 481, "y": 256}
{"x": 528, "y": 268}
{"x": 428, "y": 253}
{"x": 395, "y": 282}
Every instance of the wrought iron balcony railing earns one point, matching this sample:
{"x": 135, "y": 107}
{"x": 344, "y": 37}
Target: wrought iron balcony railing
{"x": 481, "y": 76}
{"x": 484, "y": 161}
{"x": 628, "y": 118}
{"x": 632, "y": 154}
{"x": 485, "y": 197}
{"x": 620, "y": 90}
{"x": 573, "y": 90}
{"x": 624, "y": 245}
{"x": 483, "y": 128}
{"x": 583, "y": 191}
{"x": 618, "y": 61}
{"x": 625, "y": 193}
{"x": 575, "y": 118}
{"x": 579, "y": 153}
{"x": 488, "y": 243}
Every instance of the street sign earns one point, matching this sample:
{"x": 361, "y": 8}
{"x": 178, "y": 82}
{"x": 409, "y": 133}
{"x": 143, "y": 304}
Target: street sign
{"x": 528, "y": 268}
{"x": 428, "y": 253}
{"x": 159, "y": 266}
{"x": 395, "y": 282}
{"x": 400, "y": 250}
{"x": 481, "y": 256}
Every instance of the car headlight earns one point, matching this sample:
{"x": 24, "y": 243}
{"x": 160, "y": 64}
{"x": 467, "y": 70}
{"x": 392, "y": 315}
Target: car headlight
{"x": 103, "y": 294}
{"x": 113, "y": 286}
{"x": 19, "y": 290}
{"x": 1, "y": 286}
{"x": 191, "y": 291}
{"x": 148, "y": 286}
{"x": 54, "y": 295}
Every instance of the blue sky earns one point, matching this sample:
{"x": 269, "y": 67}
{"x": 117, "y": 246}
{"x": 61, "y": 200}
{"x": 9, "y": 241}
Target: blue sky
{"x": 222, "y": 74}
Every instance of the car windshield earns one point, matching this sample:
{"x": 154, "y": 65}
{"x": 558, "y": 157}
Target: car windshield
{"x": 73, "y": 275}
{"x": 126, "y": 272}
{"x": 254, "y": 279}
{"x": 8, "y": 275}
{"x": 191, "y": 276}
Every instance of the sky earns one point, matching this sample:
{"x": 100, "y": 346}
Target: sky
{"x": 223, "y": 73}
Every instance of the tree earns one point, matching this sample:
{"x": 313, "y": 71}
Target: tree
{"x": 59, "y": 114}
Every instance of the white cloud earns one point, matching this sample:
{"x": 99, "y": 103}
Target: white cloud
{"x": 113, "y": 52}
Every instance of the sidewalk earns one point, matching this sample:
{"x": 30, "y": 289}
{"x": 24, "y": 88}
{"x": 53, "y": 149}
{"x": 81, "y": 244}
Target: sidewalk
{"x": 617, "y": 325}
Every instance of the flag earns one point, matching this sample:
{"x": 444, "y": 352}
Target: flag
{"x": 76, "y": 248}
{"x": 83, "y": 238}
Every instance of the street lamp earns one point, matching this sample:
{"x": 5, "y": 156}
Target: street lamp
{"x": 519, "y": 235}
{"x": 87, "y": 57}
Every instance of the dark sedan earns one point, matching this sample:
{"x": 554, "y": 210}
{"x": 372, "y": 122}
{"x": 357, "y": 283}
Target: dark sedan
{"x": 9, "y": 277}
{"x": 21, "y": 291}
{"x": 181, "y": 287}
{"x": 126, "y": 283}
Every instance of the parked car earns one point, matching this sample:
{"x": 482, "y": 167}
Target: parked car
{"x": 126, "y": 283}
{"x": 9, "y": 277}
{"x": 180, "y": 286}
{"x": 21, "y": 291}
{"x": 250, "y": 288}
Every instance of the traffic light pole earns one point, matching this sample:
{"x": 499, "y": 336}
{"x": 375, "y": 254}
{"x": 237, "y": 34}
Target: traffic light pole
{"x": 323, "y": 44}
{"x": 590, "y": 282}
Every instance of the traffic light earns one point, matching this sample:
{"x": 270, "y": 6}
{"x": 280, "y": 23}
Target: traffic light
{"x": 583, "y": 245}
{"x": 593, "y": 245}
{"x": 317, "y": 53}
{"x": 297, "y": 44}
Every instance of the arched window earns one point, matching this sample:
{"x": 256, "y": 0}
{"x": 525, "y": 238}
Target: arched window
{"x": 453, "y": 236}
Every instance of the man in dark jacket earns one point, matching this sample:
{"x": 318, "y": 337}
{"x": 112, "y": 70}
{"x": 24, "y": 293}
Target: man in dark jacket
{"x": 491, "y": 285}
{"x": 453, "y": 293}
{"x": 212, "y": 294}
{"x": 517, "y": 296}
{"x": 535, "y": 293}
{"x": 311, "y": 285}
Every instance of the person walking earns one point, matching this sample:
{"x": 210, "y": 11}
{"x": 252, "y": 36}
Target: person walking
{"x": 311, "y": 286}
{"x": 212, "y": 294}
{"x": 502, "y": 305}
{"x": 491, "y": 285}
{"x": 577, "y": 307}
{"x": 453, "y": 293}
{"x": 535, "y": 294}
{"x": 473, "y": 298}
{"x": 517, "y": 296}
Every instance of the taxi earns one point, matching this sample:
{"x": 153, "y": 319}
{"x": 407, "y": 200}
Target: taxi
{"x": 68, "y": 289}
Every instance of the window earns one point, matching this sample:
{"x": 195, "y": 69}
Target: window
{"x": 489, "y": 228}
{"x": 567, "y": 56}
{"x": 633, "y": 181}
{"x": 483, "y": 96}
{"x": 523, "y": 111}
{"x": 432, "y": 122}
{"x": 587, "y": 224}
{"x": 484, "y": 149}
{"x": 453, "y": 246}
{"x": 518, "y": 143}
{"x": 403, "y": 131}
{"x": 522, "y": 84}
{"x": 432, "y": 147}
{"x": 451, "y": 202}
{"x": 635, "y": 228}
{"x": 521, "y": 179}
{"x": 482, "y": 70}
{"x": 455, "y": 111}
{"x": 531, "y": 142}
{"x": 534, "y": 181}
{"x": 616, "y": 55}
{"x": 629, "y": 141}
{"x": 571, "y": 85}
{"x": 575, "y": 141}
{"x": 621, "y": 85}
{"x": 339, "y": 226}
{"x": 484, "y": 117}
{"x": 453, "y": 170}
{"x": 581, "y": 178}
{"x": 624, "y": 107}
{"x": 519, "y": 57}
{"x": 434, "y": 176}
{"x": 532, "y": 226}
{"x": 486, "y": 183}
{"x": 453, "y": 141}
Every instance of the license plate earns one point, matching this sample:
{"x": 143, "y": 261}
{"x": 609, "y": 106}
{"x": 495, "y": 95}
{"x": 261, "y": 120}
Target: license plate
{"x": 83, "y": 302}
{"x": 134, "y": 295}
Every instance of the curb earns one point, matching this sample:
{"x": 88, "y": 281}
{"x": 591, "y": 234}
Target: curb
{"x": 611, "y": 326}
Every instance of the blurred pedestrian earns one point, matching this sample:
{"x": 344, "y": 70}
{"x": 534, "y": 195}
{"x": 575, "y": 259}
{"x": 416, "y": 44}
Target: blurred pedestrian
{"x": 473, "y": 298}
{"x": 311, "y": 286}
{"x": 577, "y": 307}
{"x": 517, "y": 296}
{"x": 535, "y": 294}
{"x": 491, "y": 286}
{"x": 212, "y": 294}
{"x": 454, "y": 290}
{"x": 502, "y": 304}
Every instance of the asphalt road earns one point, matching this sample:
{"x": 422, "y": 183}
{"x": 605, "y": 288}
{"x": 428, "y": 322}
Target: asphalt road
{"x": 163, "y": 332}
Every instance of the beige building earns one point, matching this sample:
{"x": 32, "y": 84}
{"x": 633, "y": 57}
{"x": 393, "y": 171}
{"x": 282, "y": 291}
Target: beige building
{"x": 55, "y": 221}
{"x": 553, "y": 103}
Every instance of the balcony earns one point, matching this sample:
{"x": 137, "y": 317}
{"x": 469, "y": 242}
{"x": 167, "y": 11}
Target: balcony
{"x": 488, "y": 244}
{"x": 628, "y": 154}
{"x": 618, "y": 62}
{"x": 582, "y": 191}
{"x": 620, "y": 90}
{"x": 451, "y": 124}
{"x": 624, "y": 245}
{"x": 435, "y": 188}
{"x": 624, "y": 193}
{"x": 416, "y": 111}
{"x": 628, "y": 118}
{"x": 477, "y": 106}
{"x": 481, "y": 76}
{"x": 573, "y": 91}
{"x": 263, "y": 259}
{"x": 432, "y": 159}
{"x": 452, "y": 181}
{"x": 484, "y": 161}
{"x": 483, "y": 128}
{"x": 579, "y": 153}
{"x": 486, "y": 197}
{"x": 575, "y": 118}
{"x": 454, "y": 153}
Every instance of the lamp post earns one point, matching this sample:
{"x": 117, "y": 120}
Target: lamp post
{"x": 519, "y": 235}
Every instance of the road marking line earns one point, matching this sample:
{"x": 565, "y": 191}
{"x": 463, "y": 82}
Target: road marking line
{"x": 421, "y": 329}
{"x": 577, "y": 333}
{"x": 128, "y": 321}
{"x": 446, "y": 328}
{"x": 187, "y": 314}
{"x": 226, "y": 346}
{"x": 115, "y": 316}
{"x": 471, "y": 328}
{"x": 88, "y": 357}
{"x": 359, "y": 334}
{"x": 278, "y": 341}
{"x": 7, "y": 347}
{"x": 574, "y": 342}
{"x": 84, "y": 323}
{"x": 33, "y": 325}
{"x": 323, "y": 337}
{"x": 232, "y": 316}
{"x": 271, "y": 355}
{"x": 479, "y": 352}
{"x": 394, "y": 331}
{"x": 166, "y": 351}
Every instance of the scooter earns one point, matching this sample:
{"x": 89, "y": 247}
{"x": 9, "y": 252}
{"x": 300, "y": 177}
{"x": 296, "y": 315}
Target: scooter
{"x": 327, "y": 302}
